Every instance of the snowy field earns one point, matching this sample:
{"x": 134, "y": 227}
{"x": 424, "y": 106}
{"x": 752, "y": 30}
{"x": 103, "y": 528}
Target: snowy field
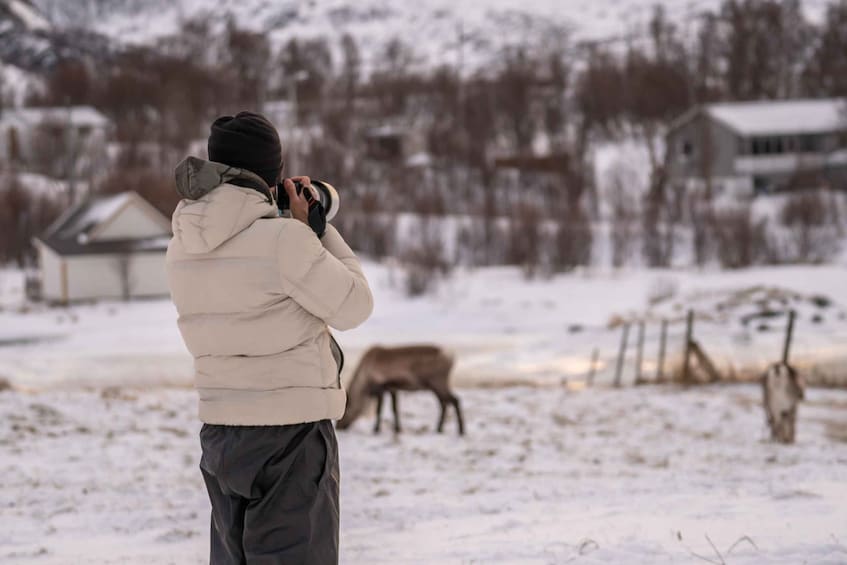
{"x": 99, "y": 448}
{"x": 504, "y": 329}
{"x": 636, "y": 475}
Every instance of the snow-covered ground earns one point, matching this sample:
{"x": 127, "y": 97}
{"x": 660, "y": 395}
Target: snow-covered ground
{"x": 503, "y": 328}
{"x": 98, "y": 447}
{"x": 544, "y": 475}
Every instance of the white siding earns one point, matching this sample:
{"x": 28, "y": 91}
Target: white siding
{"x": 99, "y": 276}
{"x": 149, "y": 274}
{"x": 51, "y": 273}
{"x": 130, "y": 223}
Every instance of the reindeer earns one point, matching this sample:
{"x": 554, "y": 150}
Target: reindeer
{"x": 783, "y": 389}
{"x": 391, "y": 369}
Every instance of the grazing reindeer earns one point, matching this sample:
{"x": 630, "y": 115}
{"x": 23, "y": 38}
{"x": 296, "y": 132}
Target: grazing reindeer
{"x": 390, "y": 369}
{"x": 783, "y": 390}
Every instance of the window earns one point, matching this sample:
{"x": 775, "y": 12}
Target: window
{"x": 790, "y": 144}
{"x": 770, "y": 145}
{"x": 687, "y": 148}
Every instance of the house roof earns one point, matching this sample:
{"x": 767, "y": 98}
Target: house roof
{"x": 109, "y": 247}
{"x": 76, "y": 115}
{"x": 71, "y": 233}
{"x": 781, "y": 117}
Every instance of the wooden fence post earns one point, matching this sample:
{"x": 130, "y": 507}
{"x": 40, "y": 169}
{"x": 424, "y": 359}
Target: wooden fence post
{"x": 660, "y": 368}
{"x": 592, "y": 369}
{"x": 789, "y": 334}
{"x": 689, "y": 336}
{"x": 621, "y": 353}
{"x": 639, "y": 352}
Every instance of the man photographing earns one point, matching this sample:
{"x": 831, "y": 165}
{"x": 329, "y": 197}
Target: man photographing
{"x": 255, "y": 294}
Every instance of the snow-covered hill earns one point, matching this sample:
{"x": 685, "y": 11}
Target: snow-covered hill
{"x": 440, "y": 31}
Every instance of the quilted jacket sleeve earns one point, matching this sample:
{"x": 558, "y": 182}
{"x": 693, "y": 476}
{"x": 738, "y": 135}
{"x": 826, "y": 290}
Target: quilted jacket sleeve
{"x": 323, "y": 275}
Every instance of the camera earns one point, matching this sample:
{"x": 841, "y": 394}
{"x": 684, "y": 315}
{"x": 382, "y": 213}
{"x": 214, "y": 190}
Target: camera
{"x": 323, "y": 192}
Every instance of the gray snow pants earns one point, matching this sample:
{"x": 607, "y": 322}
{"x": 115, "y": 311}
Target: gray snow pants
{"x": 274, "y": 493}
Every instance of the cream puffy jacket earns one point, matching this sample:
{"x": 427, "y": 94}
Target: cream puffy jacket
{"x": 255, "y": 294}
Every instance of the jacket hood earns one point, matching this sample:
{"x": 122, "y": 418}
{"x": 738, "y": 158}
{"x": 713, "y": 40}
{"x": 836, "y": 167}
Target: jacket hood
{"x": 213, "y": 210}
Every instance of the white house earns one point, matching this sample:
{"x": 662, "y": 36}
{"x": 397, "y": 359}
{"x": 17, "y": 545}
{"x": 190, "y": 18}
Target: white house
{"x": 107, "y": 246}
{"x": 24, "y": 132}
{"x": 761, "y": 145}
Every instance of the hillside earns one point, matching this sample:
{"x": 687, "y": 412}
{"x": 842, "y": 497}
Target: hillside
{"x": 433, "y": 27}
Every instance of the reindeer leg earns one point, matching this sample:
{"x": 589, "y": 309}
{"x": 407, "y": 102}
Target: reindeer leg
{"x": 443, "y": 405}
{"x": 379, "y": 394}
{"x": 454, "y": 400}
{"x": 396, "y": 411}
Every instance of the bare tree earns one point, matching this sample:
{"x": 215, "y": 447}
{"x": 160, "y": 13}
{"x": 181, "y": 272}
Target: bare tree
{"x": 701, "y": 218}
{"x": 740, "y": 240}
{"x": 658, "y": 223}
{"x": 525, "y": 238}
{"x": 826, "y": 71}
{"x": 23, "y": 215}
{"x": 764, "y": 47}
{"x": 425, "y": 258}
{"x": 514, "y": 96}
{"x": 351, "y": 68}
{"x": 624, "y": 215}
{"x": 69, "y": 82}
{"x": 248, "y": 58}
{"x": 812, "y": 229}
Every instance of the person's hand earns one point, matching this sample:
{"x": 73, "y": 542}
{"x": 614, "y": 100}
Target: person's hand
{"x": 298, "y": 202}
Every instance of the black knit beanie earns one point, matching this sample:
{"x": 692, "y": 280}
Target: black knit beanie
{"x": 247, "y": 141}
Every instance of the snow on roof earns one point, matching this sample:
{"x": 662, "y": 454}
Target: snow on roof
{"x": 76, "y": 115}
{"x": 782, "y": 117}
{"x": 85, "y": 216}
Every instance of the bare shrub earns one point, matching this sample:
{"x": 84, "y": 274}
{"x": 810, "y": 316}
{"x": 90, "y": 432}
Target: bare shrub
{"x": 811, "y": 230}
{"x": 23, "y": 215}
{"x": 55, "y": 150}
{"x": 658, "y": 225}
{"x": 574, "y": 240}
{"x": 701, "y": 217}
{"x": 525, "y": 238}
{"x": 366, "y": 226}
{"x": 425, "y": 259}
{"x": 741, "y": 241}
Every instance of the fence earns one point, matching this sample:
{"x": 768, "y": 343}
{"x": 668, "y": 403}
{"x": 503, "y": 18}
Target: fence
{"x": 695, "y": 362}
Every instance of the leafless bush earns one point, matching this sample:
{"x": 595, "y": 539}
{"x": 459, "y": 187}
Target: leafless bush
{"x": 573, "y": 241}
{"x": 23, "y": 215}
{"x": 810, "y": 231}
{"x": 741, "y": 241}
{"x": 54, "y": 150}
{"x": 425, "y": 260}
{"x": 525, "y": 238}
{"x": 701, "y": 217}
{"x": 366, "y": 225}
{"x": 658, "y": 225}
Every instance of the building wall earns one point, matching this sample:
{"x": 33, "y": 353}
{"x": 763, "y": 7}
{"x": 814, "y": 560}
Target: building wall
{"x": 705, "y": 136}
{"x": 99, "y": 276}
{"x": 51, "y": 273}
{"x": 131, "y": 223}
